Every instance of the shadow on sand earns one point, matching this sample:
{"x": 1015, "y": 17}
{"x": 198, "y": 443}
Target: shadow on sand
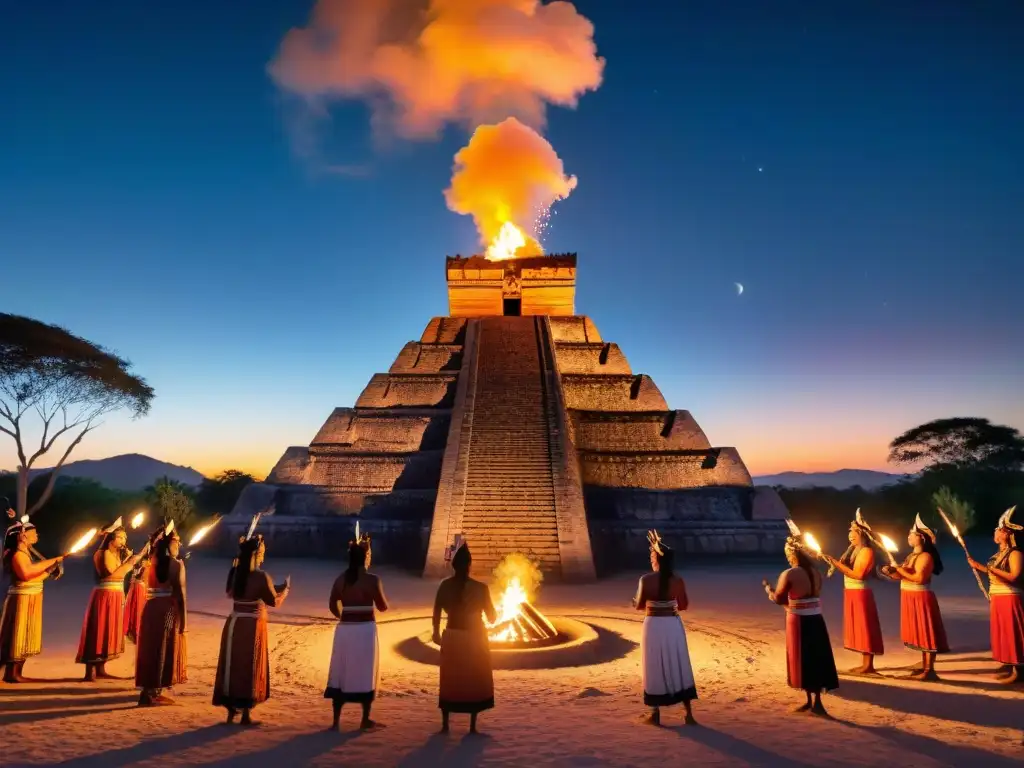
{"x": 448, "y": 750}
{"x": 299, "y": 749}
{"x": 977, "y": 709}
{"x": 20, "y": 706}
{"x": 940, "y": 751}
{"x": 146, "y": 750}
{"x": 738, "y": 749}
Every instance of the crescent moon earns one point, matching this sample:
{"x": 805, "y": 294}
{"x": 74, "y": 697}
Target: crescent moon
{"x": 739, "y": 289}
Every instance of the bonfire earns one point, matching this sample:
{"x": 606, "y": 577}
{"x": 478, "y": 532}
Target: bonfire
{"x": 519, "y": 622}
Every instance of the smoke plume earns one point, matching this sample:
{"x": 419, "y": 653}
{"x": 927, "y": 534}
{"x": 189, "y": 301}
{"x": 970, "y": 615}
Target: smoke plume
{"x": 422, "y": 64}
{"x": 507, "y": 173}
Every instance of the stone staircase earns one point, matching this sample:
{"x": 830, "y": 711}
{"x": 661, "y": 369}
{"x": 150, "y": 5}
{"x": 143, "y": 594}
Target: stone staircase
{"x": 509, "y": 498}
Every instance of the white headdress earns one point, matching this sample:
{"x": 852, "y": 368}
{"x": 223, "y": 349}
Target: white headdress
{"x": 655, "y": 541}
{"x": 923, "y": 529}
{"x": 113, "y": 526}
{"x": 1006, "y": 522}
{"x": 860, "y": 522}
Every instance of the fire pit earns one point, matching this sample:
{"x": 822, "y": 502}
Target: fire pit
{"x": 520, "y": 624}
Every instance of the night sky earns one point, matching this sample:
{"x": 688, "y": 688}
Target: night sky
{"x": 859, "y": 168}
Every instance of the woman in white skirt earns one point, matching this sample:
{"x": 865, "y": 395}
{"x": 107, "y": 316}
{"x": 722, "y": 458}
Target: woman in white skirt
{"x": 668, "y": 676}
{"x": 355, "y": 671}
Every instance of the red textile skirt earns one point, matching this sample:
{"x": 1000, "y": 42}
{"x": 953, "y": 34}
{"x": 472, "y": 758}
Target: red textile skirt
{"x": 1007, "y": 625}
{"x": 21, "y": 622}
{"x": 133, "y": 605}
{"x": 467, "y": 684}
{"x": 102, "y": 636}
{"x": 243, "y": 669}
{"x": 810, "y": 665}
{"x": 921, "y": 627}
{"x": 161, "y": 660}
{"x": 862, "y": 631}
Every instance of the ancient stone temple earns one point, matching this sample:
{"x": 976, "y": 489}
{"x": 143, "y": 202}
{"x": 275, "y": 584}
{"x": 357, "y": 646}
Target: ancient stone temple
{"x": 513, "y": 424}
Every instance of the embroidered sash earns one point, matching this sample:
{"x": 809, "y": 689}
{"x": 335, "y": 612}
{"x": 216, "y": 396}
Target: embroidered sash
{"x": 805, "y": 606}
{"x": 999, "y": 588}
{"x": 356, "y": 614}
{"x": 851, "y": 583}
{"x": 27, "y": 588}
{"x": 909, "y": 586}
{"x": 662, "y": 608}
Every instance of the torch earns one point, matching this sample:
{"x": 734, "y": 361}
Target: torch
{"x": 815, "y": 547}
{"x": 200, "y": 534}
{"x": 83, "y": 541}
{"x": 956, "y": 535}
{"x": 138, "y": 519}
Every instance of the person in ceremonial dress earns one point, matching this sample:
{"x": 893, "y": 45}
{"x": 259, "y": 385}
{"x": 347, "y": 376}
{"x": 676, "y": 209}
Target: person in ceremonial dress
{"x": 21, "y": 619}
{"x": 102, "y": 637}
{"x": 921, "y": 627}
{"x": 161, "y": 660}
{"x": 467, "y": 682}
{"x": 667, "y": 672}
{"x": 243, "y": 667}
{"x": 1006, "y": 593}
{"x": 135, "y": 600}
{"x": 810, "y": 664}
{"x": 862, "y": 631}
{"x": 355, "y": 656}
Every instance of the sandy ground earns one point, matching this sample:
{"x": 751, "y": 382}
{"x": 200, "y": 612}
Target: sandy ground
{"x": 580, "y": 716}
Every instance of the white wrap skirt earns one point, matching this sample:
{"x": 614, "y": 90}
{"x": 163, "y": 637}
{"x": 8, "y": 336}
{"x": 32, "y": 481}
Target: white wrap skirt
{"x": 355, "y": 663}
{"x": 668, "y": 676}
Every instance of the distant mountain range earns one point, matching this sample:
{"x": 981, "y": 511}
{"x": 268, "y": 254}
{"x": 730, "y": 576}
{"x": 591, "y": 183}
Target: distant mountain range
{"x": 868, "y": 479}
{"x": 130, "y": 472}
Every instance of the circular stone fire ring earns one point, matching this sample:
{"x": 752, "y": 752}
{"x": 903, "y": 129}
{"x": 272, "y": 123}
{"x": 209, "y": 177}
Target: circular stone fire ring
{"x": 577, "y": 644}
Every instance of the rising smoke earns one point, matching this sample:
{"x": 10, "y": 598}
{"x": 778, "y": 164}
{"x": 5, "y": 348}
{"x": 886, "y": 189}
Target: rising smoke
{"x": 424, "y": 64}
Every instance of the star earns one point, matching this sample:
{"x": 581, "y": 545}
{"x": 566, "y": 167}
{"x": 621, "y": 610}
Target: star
{"x": 760, "y": 169}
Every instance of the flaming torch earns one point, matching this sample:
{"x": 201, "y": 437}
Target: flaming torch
{"x": 956, "y": 535}
{"x": 201, "y": 533}
{"x": 890, "y": 548}
{"x": 83, "y": 541}
{"x": 138, "y": 519}
{"x": 815, "y": 547}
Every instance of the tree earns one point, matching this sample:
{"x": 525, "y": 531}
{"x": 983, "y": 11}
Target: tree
{"x": 218, "y": 495}
{"x": 169, "y": 498}
{"x": 65, "y": 381}
{"x": 959, "y": 511}
{"x": 960, "y": 443}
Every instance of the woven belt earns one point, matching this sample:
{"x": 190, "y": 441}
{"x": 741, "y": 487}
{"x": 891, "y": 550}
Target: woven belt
{"x": 151, "y": 593}
{"x": 117, "y": 586}
{"x": 909, "y": 586}
{"x": 247, "y": 608}
{"x": 807, "y": 607}
{"x": 357, "y": 614}
{"x": 850, "y": 583}
{"x": 32, "y": 588}
{"x": 662, "y": 608}
{"x": 998, "y": 588}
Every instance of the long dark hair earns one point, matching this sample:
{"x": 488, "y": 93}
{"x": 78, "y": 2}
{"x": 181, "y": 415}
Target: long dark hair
{"x": 666, "y": 562}
{"x": 929, "y": 546}
{"x": 804, "y": 561}
{"x": 163, "y": 558}
{"x": 356, "y": 561}
{"x": 461, "y": 561}
{"x": 246, "y": 560}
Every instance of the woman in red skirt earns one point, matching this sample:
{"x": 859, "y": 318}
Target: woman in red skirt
{"x": 243, "y": 667}
{"x": 161, "y": 659}
{"x": 921, "y": 626}
{"x": 135, "y": 600}
{"x": 862, "y": 632}
{"x": 467, "y": 683}
{"x": 1006, "y": 610}
{"x": 102, "y": 638}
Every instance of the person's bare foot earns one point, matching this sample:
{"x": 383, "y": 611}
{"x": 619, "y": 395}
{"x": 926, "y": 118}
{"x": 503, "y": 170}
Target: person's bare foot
{"x": 689, "y": 719}
{"x": 802, "y": 708}
{"x": 819, "y": 710}
{"x": 651, "y": 718}
{"x": 369, "y": 725}
{"x": 1014, "y": 678}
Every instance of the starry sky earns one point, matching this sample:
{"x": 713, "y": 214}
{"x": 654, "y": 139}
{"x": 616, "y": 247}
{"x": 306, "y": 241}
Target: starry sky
{"x": 857, "y": 166}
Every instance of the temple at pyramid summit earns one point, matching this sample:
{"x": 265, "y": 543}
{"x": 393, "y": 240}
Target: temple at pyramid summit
{"x": 512, "y": 423}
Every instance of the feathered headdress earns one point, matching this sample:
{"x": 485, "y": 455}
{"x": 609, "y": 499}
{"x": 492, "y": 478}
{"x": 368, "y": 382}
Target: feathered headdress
{"x": 923, "y": 530}
{"x": 795, "y": 538}
{"x": 113, "y": 526}
{"x": 654, "y": 540}
{"x": 860, "y": 522}
{"x": 1007, "y": 523}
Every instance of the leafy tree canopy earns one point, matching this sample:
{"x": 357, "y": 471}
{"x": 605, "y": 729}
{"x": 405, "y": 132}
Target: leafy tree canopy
{"x": 64, "y": 381}
{"x": 217, "y": 495}
{"x": 960, "y": 443}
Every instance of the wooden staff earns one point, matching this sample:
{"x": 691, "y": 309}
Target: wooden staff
{"x": 956, "y": 535}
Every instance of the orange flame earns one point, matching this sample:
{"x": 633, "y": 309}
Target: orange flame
{"x": 521, "y": 577}
{"x": 83, "y": 541}
{"x": 507, "y": 178}
{"x": 890, "y": 545}
{"x": 139, "y": 519}
{"x": 812, "y": 542}
{"x": 198, "y": 535}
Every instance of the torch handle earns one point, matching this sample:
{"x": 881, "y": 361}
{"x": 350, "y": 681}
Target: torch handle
{"x": 977, "y": 576}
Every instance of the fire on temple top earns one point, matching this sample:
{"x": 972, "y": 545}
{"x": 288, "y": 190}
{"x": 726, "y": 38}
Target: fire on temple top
{"x": 532, "y": 285}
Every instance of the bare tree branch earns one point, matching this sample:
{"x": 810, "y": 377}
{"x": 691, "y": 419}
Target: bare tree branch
{"x": 48, "y": 491}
